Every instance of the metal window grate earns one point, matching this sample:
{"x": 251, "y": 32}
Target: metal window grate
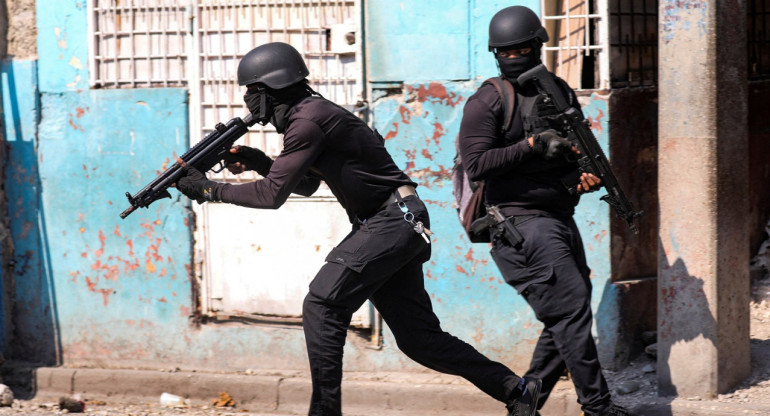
{"x": 325, "y": 32}
{"x": 758, "y": 37}
{"x": 634, "y": 43}
{"x": 138, "y": 43}
{"x": 576, "y": 50}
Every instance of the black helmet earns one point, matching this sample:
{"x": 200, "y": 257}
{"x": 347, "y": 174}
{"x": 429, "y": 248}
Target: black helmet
{"x": 514, "y": 25}
{"x": 276, "y": 64}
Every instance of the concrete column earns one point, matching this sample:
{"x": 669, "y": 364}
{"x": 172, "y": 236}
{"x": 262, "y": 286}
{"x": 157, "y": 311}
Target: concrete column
{"x": 703, "y": 254}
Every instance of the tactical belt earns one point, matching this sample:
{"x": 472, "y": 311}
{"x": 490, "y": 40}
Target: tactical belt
{"x": 404, "y": 191}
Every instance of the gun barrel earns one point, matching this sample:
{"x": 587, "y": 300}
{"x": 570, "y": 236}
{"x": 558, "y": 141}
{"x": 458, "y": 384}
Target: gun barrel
{"x": 127, "y": 212}
{"x": 204, "y": 155}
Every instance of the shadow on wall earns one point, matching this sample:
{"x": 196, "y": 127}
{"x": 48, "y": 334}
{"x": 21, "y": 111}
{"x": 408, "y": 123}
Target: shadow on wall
{"x": 33, "y": 321}
{"x": 684, "y": 315}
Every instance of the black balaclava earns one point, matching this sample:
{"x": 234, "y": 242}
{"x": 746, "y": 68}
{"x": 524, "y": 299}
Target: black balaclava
{"x": 283, "y": 100}
{"x": 269, "y": 105}
{"x": 260, "y": 105}
{"x": 511, "y": 68}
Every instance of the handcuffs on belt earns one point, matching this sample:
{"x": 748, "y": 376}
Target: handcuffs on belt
{"x": 418, "y": 226}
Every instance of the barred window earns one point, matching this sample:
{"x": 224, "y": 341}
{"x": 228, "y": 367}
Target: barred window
{"x": 139, "y": 43}
{"x": 633, "y": 43}
{"x": 602, "y": 44}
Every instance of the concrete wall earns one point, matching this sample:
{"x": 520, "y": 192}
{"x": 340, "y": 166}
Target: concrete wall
{"x": 18, "y": 35}
{"x": 92, "y": 289}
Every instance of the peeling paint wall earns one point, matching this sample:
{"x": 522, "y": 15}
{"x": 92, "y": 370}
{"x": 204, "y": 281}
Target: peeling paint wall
{"x": 97, "y": 290}
{"x": 418, "y": 94}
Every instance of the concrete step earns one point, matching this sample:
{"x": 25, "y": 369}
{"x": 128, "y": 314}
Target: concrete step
{"x": 288, "y": 392}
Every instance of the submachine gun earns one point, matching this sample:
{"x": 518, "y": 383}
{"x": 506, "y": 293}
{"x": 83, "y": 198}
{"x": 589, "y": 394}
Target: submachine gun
{"x": 591, "y": 158}
{"x": 204, "y": 156}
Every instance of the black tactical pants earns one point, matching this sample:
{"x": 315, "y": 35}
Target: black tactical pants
{"x": 381, "y": 260}
{"x": 549, "y": 269}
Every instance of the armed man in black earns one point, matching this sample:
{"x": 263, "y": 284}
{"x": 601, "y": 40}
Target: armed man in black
{"x": 381, "y": 259}
{"x": 527, "y": 171}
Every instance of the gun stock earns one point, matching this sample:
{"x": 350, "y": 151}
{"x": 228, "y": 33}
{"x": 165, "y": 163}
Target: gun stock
{"x": 204, "y": 156}
{"x": 591, "y": 158}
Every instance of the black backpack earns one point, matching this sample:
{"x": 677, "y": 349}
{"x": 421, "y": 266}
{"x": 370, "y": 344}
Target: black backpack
{"x": 469, "y": 195}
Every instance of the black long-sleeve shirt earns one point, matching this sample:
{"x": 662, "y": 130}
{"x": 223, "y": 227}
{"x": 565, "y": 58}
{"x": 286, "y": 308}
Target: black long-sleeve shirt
{"x": 323, "y": 141}
{"x": 516, "y": 179}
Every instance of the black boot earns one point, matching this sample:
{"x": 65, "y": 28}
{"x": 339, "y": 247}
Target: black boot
{"x": 613, "y": 410}
{"x": 526, "y": 404}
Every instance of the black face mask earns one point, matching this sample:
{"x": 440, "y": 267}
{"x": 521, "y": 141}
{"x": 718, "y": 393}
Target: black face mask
{"x": 260, "y": 106}
{"x": 511, "y": 68}
{"x": 280, "y": 117}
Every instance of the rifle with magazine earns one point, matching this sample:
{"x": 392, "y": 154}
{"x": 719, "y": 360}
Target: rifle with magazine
{"x": 204, "y": 156}
{"x": 591, "y": 159}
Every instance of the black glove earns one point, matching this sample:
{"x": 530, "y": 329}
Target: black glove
{"x": 195, "y": 185}
{"x": 549, "y": 145}
{"x": 249, "y": 158}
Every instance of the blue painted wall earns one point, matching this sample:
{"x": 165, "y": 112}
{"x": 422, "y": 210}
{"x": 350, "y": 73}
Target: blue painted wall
{"x": 424, "y": 60}
{"x": 94, "y": 287}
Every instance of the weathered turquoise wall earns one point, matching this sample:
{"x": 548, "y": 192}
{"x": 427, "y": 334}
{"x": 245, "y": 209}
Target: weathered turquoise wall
{"x": 425, "y": 59}
{"x": 94, "y": 289}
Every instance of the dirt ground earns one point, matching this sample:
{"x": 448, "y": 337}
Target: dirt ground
{"x": 641, "y": 377}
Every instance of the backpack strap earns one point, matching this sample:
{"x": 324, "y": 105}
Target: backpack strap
{"x": 507, "y": 97}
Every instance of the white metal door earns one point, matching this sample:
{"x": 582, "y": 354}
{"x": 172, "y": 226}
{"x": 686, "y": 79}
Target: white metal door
{"x": 259, "y": 262}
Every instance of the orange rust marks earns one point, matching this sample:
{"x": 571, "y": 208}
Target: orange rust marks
{"x": 428, "y": 275}
{"x": 438, "y": 132}
{"x": 600, "y": 235}
{"x": 461, "y": 269}
{"x": 110, "y": 272}
{"x": 79, "y": 112}
{"x": 436, "y": 92}
{"x": 184, "y": 311}
{"x": 150, "y": 267}
{"x": 117, "y": 231}
{"x": 84, "y": 254}
{"x": 469, "y": 255}
{"x": 153, "y": 249}
{"x": 317, "y": 248}
{"x": 428, "y": 177}
{"x": 130, "y": 245}
{"x": 596, "y": 123}
{"x": 478, "y": 335}
{"x": 82, "y": 229}
{"x": 105, "y": 292}
{"x": 165, "y": 165}
{"x": 393, "y": 133}
{"x": 73, "y": 124}
{"x": 406, "y": 114}
{"x": 163, "y": 272}
{"x": 426, "y": 154}
{"x": 157, "y": 222}
{"x": 163, "y": 300}
{"x": 102, "y": 240}
{"x": 186, "y": 221}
